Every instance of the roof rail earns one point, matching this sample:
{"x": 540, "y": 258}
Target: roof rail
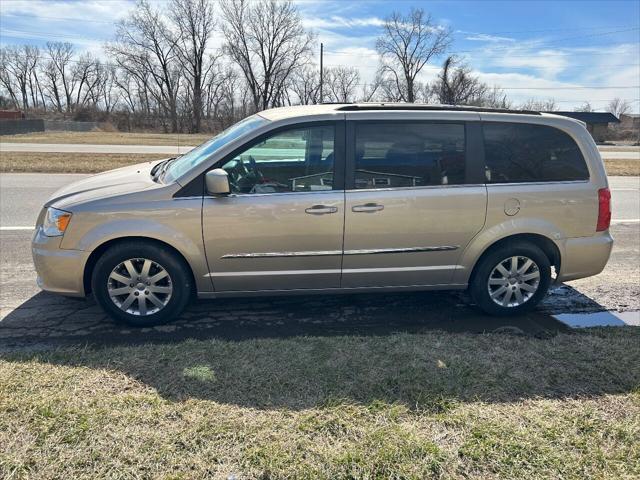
{"x": 415, "y": 106}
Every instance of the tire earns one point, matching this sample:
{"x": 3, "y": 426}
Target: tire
{"x": 164, "y": 295}
{"x": 487, "y": 281}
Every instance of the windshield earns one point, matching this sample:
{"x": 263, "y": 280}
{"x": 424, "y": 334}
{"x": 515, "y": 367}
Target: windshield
{"x": 186, "y": 162}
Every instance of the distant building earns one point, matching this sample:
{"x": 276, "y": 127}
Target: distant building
{"x": 11, "y": 115}
{"x": 630, "y": 121}
{"x": 597, "y": 122}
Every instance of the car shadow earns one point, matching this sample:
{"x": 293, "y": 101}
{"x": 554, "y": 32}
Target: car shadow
{"x": 51, "y": 319}
{"x": 422, "y": 350}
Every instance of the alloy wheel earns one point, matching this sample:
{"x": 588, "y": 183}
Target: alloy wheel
{"x": 140, "y": 286}
{"x": 513, "y": 281}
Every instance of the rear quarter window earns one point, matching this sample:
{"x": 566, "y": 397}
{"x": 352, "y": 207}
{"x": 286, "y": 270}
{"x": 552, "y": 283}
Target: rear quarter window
{"x": 520, "y": 152}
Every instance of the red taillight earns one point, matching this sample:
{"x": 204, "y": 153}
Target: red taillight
{"x": 604, "y": 209}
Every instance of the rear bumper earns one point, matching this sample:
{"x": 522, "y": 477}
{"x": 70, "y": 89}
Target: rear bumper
{"x": 584, "y": 256}
{"x": 59, "y": 271}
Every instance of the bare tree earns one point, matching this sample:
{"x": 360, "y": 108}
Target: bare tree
{"x": 195, "y": 24}
{"x": 267, "y": 41}
{"x": 619, "y": 107}
{"x": 305, "y": 84}
{"x": 59, "y": 73}
{"x": 370, "y": 91}
{"x": 495, "y": 97}
{"x": 148, "y": 51}
{"x": 342, "y": 83}
{"x": 545, "y": 105}
{"x": 407, "y": 44}
{"x": 585, "y": 107}
{"x": 7, "y": 79}
{"x": 456, "y": 85}
{"x": 18, "y": 65}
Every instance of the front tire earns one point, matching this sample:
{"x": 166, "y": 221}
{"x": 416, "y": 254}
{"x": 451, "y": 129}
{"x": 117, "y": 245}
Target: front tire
{"x": 141, "y": 284}
{"x": 512, "y": 279}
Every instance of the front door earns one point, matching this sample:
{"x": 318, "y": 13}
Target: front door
{"x": 282, "y": 226}
{"x": 410, "y": 210}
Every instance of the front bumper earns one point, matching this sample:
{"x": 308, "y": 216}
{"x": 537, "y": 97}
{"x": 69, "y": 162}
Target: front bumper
{"x": 585, "y": 256}
{"x": 59, "y": 271}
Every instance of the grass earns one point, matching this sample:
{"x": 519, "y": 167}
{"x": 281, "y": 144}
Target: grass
{"x": 109, "y": 138}
{"x": 99, "y": 162}
{"x": 23, "y": 162}
{"x": 622, "y": 167}
{"x": 423, "y": 405}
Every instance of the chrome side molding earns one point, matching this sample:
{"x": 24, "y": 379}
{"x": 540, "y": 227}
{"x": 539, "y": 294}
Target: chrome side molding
{"x": 366, "y": 251}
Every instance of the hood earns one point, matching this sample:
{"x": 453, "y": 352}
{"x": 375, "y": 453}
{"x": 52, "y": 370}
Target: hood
{"x": 103, "y": 185}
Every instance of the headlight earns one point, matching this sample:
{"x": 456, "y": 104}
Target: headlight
{"x": 55, "y": 222}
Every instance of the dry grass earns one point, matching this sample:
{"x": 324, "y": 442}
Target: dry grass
{"x": 406, "y": 406}
{"x": 622, "y": 167}
{"x": 70, "y": 162}
{"x": 109, "y": 138}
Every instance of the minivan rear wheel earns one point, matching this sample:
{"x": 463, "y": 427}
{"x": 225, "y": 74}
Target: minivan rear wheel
{"x": 141, "y": 284}
{"x": 511, "y": 279}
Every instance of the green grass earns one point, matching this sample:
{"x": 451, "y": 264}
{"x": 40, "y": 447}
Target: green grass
{"x": 424, "y": 405}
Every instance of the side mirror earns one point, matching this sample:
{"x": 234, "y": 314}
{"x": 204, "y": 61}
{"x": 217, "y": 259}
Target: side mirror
{"x": 217, "y": 182}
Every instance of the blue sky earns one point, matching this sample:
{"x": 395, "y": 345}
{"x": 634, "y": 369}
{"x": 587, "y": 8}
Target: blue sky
{"x": 532, "y": 49}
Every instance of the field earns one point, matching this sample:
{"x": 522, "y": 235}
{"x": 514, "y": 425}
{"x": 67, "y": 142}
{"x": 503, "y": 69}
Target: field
{"x": 109, "y": 138}
{"x": 404, "y": 405}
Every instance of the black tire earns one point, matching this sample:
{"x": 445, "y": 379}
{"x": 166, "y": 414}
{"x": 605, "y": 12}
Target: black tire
{"x": 479, "y": 288}
{"x": 179, "y": 279}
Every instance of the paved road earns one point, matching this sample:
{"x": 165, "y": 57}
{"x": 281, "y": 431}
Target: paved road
{"x": 30, "y": 317}
{"x": 22, "y": 196}
{"x": 631, "y": 153}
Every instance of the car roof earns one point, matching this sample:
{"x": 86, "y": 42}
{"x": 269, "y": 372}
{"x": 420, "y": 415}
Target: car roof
{"x": 336, "y": 108}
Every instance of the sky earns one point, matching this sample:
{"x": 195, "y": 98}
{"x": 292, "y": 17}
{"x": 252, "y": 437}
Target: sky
{"x": 573, "y": 51}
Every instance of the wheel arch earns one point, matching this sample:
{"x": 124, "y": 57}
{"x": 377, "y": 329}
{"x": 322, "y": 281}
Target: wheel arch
{"x": 103, "y": 247}
{"x": 548, "y": 247}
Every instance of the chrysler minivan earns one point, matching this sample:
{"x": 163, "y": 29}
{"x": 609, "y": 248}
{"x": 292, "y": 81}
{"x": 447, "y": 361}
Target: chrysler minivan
{"x": 335, "y": 199}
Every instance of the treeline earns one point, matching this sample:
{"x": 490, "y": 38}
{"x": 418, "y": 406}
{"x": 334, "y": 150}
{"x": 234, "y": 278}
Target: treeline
{"x": 162, "y": 72}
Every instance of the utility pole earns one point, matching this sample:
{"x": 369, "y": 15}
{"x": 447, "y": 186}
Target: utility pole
{"x": 321, "y": 55}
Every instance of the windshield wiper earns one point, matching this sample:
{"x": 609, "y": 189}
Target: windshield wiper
{"x": 158, "y": 170}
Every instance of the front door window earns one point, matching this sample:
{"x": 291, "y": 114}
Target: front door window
{"x": 297, "y": 160}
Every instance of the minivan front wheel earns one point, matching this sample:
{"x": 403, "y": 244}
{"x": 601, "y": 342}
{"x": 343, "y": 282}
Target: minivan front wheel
{"x": 511, "y": 279}
{"x": 141, "y": 284}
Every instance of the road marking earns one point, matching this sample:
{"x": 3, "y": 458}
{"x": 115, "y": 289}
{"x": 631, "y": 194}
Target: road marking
{"x": 8, "y": 229}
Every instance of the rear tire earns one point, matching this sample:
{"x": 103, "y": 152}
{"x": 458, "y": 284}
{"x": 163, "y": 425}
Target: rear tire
{"x": 141, "y": 283}
{"x": 511, "y": 279}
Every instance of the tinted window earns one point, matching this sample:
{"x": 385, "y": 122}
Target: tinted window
{"x": 296, "y": 160}
{"x": 531, "y": 153}
{"x": 409, "y": 154}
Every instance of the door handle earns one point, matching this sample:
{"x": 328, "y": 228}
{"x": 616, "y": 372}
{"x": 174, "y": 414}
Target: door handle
{"x": 321, "y": 209}
{"x": 367, "y": 207}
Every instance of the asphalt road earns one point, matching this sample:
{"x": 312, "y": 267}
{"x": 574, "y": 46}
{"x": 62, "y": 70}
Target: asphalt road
{"x": 23, "y": 194}
{"x": 631, "y": 153}
{"x": 29, "y": 317}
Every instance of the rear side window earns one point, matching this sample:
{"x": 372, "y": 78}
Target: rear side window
{"x": 519, "y": 152}
{"x": 403, "y": 154}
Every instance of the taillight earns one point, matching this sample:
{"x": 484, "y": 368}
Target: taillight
{"x": 604, "y": 209}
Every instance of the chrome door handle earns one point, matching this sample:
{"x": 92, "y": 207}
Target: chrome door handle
{"x": 320, "y": 210}
{"x": 367, "y": 207}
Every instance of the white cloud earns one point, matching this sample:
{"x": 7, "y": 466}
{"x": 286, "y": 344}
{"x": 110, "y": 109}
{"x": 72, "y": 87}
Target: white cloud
{"x": 338, "y": 22}
{"x": 483, "y": 37}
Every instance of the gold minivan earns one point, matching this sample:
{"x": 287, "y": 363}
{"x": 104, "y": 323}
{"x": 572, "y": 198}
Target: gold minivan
{"x": 335, "y": 199}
